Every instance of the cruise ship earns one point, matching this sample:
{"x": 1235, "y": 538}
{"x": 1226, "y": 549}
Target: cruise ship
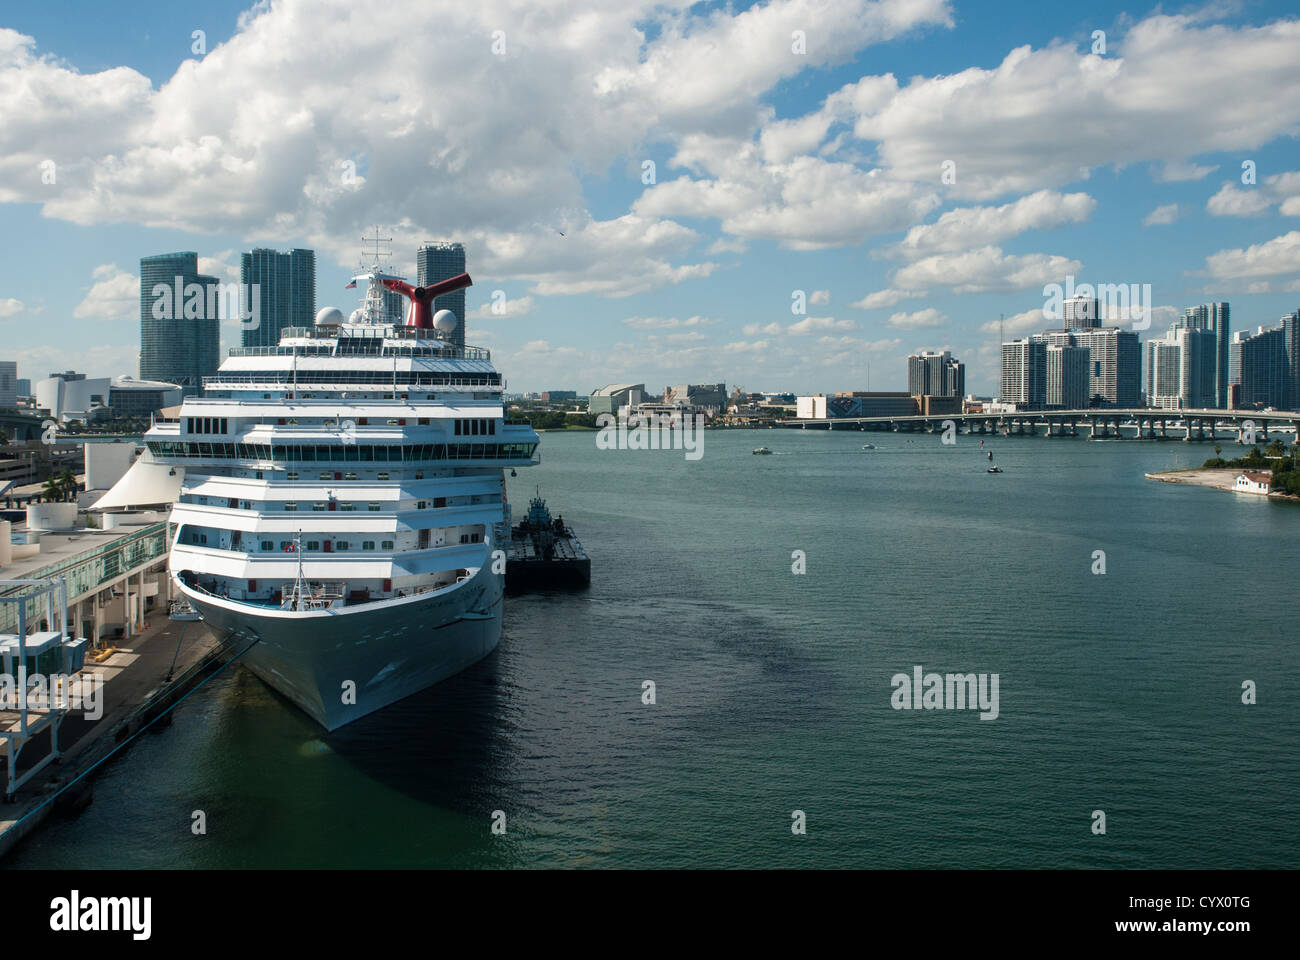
{"x": 343, "y": 513}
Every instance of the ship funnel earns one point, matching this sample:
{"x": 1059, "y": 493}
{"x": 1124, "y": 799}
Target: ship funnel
{"x": 420, "y": 314}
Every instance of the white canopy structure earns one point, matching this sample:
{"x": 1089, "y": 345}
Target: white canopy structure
{"x": 147, "y": 484}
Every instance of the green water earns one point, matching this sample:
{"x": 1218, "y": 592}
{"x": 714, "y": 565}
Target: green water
{"x": 1118, "y": 692}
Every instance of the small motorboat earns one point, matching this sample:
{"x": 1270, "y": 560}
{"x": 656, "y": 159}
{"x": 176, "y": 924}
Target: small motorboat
{"x": 995, "y": 469}
{"x": 761, "y": 450}
{"x": 868, "y": 446}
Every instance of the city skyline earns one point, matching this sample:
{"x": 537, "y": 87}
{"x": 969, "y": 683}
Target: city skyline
{"x": 662, "y": 236}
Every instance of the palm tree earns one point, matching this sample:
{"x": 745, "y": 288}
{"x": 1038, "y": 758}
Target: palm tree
{"x": 67, "y": 483}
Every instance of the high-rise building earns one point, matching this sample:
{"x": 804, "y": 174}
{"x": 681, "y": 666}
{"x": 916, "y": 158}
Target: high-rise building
{"x": 440, "y": 261}
{"x": 1182, "y": 369}
{"x": 180, "y": 328}
{"x": 281, "y": 287}
{"x": 1024, "y": 373}
{"x": 1258, "y": 369}
{"x": 1067, "y": 377}
{"x": 930, "y": 373}
{"x": 1114, "y": 362}
{"x": 1291, "y": 344}
{"x": 8, "y": 383}
{"x": 1081, "y": 313}
{"x": 1215, "y": 318}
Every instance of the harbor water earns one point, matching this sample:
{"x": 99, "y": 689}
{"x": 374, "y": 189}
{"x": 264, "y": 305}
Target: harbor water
{"x": 1119, "y": 691}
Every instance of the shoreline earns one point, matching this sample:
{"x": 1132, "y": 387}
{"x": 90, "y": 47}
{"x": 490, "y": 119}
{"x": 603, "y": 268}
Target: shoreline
{"x": 1216, "y": 478}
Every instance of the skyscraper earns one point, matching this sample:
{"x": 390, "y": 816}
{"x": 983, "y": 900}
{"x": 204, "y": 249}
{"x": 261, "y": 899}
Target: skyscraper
{"x": 1182, "y": 369}
{"x": 1067, "y": 377}
{"x": 180, "y": 329}
{"x": 1215, "y": 318}
{"x": 1291, "y": 344}
{"x": 1114, "y": 362}
{"x": 1081, "y": 313}
{"x": 1259, "y": 368}
{"x": 935, "y": 374}
{"x": 1024, "y": 373}
{"x": 439, "y": 261}
{"x": 8, "y": 383}
{"x": 285, "y": 292}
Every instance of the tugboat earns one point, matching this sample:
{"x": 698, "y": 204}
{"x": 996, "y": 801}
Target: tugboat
{"x": 545, "y": 553}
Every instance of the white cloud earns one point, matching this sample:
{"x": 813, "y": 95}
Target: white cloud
{"x": 665, "y": 323}
{"x": 9, "y": 307}
{"x": 886, "y": 298}
{"x": 1163, "y": 214}
{"x": 1232, "y": 201}
{"x": 115, "y": 295}
{"x": 819, "y": 297}
{"x": 511, "y": 307}
{"x": 929, "y": 317}
{"x": 1277, "y": 256}
{"x": 1029, "y": 321}
{"x": 1178, "y": 171}
{"x": 984, "y": 270}
{"x": 968, "y": 227}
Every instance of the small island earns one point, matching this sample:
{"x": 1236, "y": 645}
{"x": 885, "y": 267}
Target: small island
{"x": 1272, "y": 472}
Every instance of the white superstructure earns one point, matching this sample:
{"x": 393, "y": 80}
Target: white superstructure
{"x": 343, "y": 497}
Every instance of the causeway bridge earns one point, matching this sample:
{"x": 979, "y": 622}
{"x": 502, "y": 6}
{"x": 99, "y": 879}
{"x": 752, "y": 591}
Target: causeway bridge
{"x": 1140, "y": 423}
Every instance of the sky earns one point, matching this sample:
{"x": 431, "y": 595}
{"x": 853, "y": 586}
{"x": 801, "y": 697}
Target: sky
{"x": 653, "y": 192}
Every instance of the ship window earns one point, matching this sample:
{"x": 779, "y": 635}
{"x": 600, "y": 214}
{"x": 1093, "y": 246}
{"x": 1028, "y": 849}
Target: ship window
{"x": 421, "y": 504}
{"x": 286, "y": 545}
{"x": 386, "y": 544}
{"x": 383, "y": 476}
{"x": 291, "y": 476}
{"x": 318, "y": 506}
{"x": 341, "y": 545}
{"x": 392, "y": 422}
{"x": 457, "y": 430}
{"x": 367, "y": 544}
{"x": 419, "y": 474}
{"x": 267, "y": 545}
{"x": 203, "y": 538}
{"x": 423, "y": 421}
{"x": 291, "y": 506}
{"x": 313, "y": 544}
{"x": 372, "y": 506}
{"x": 350, "y": 475}
{"x": 326, "y": 476}
{"x": 439, "y": 501}
{"x": 347, "y": 507}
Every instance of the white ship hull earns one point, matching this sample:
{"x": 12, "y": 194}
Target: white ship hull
{"x": 339, "y": 665}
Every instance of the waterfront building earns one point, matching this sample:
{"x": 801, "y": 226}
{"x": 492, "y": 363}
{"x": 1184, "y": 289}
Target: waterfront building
{"x": 856, "y": 404}
{"x": 283, "y": 286}
{"x": 1067, "y": 377}
{"x": 1258, "y": 369}
{"x": 1214, "y": 317}
{"x": 441, "y": 261}
{"x": 1024, "y": 373}
{"x": 613, "y": 397}
{"x": 179, "y": 342}
{"x": 1114, "y": 363}
{"x": 1291, "y": 343}
{"x": 73, "y": 396}
{"x": 710, "y": 398}
{"x": 931, "y": 373}
{"x": 129, "y": 397}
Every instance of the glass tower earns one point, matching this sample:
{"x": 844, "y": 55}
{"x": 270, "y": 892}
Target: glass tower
{"x": 440, "y": 261}
{"x": 180, "y": 329}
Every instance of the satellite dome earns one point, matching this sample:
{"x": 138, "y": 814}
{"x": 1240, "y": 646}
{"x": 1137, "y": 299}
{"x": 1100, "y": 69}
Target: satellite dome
{"x": 329, "y": 315}
{"x": 355, "y": 316}
{"x": 445, "y": 321}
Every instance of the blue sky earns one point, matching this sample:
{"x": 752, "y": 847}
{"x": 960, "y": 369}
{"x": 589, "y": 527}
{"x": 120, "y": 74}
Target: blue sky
{"x": 775, "y": 171}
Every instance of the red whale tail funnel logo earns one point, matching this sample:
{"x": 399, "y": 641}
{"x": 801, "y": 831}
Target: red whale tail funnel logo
{"x": 420, "y": 314}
